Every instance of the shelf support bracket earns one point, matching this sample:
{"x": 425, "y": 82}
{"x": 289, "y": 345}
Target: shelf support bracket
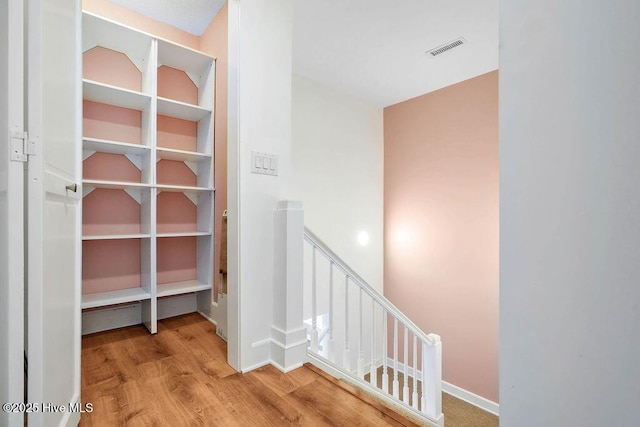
{"x": 134, "y": 194}
{"x": 193, "y": 197}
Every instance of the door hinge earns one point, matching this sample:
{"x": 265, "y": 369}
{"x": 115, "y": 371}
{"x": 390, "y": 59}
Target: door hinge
{"x": 21, "y": 146}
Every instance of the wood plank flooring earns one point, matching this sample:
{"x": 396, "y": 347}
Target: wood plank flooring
{"x": 179, "y": 377}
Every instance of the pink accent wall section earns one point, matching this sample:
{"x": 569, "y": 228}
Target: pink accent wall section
{"x": 177, "y": 133}
{"x": 176, "y": 84}
{"x": 109, "y": 212}
{"x": 114, "y": 68}
{"x": 214, "y": 42}
{"x": 175, "y": 173}
{"x": 441, "y": 201}
{"x": 175, "y": 213}
{"x": 110, "y": 167}
{"x": 177, "y": 259}
{"x": 110, "y": 265}
{"x": 136, "y": 20}
{"x": 113, "y": 123}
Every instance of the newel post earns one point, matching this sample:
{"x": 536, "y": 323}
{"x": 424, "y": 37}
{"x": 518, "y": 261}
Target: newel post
{"x": 432, "y": 378}
{"x": 288, "y": 333}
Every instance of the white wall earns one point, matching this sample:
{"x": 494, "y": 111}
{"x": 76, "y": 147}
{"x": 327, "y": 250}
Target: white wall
{"x": 11, "y": 212}
{"x": 337, "y": 171}
{"x": 570, "y": 209}
{"x": 259, "y": 120}
{"x": 4, "y": 213}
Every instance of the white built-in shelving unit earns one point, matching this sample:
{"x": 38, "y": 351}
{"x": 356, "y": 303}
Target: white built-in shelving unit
{"x": 112, "y": 296}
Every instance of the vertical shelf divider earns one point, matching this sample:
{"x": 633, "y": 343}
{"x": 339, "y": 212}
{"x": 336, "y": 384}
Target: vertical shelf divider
{"x": 150, "y": 308}
{"x": 206, "y": 201}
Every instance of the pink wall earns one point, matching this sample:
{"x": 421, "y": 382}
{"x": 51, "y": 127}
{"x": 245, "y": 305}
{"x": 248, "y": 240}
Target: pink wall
{"x": 441, "y": 200}
{"x": 110, "y": 167}
{"x": 214, "y": 42}
{"x": 172, "y": 172}
{"x": 177, "y": 259}
{"x": 101, "y": 217}
{"x": 176, "y": 84}
{"x": 177, "y": 133}
{"x": 111, "y": 67}
{"x": 176, "y": 213}
{"x": 104, "y": 121}
{"x": 122, "y": 271}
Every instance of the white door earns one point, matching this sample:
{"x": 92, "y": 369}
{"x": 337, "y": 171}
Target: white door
{"x": 54, "y": 209}
{"x": 11, "y": 212}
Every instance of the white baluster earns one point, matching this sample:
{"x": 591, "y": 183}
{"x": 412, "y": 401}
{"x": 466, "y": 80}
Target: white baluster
{"x": 396, "y": 383}
{"x": 347, "y": 355}
{"x": 414, "y": 395}
{"x": 423, "y": 401}
{"x": 385, "y": 350}
{"x": 332, "y": 346}
{"x": 360, "y": 337}
{"x": 405, "y": 359}
{"x": 314, "y": 316}
{"x": 432, "y": 377}
{"x": 373, "y": 375}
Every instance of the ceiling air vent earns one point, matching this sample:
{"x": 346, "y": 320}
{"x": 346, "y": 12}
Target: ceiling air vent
{"x": 446, "y": 47}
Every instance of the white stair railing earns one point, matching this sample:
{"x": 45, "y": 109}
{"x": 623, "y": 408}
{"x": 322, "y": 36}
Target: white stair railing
{"x": 356, "y": 333}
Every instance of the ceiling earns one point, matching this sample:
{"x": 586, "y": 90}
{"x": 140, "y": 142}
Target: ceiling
{"x": 371, "y": 49}
{"x": 375, "y": 49}
{"x": 192, "y": 16}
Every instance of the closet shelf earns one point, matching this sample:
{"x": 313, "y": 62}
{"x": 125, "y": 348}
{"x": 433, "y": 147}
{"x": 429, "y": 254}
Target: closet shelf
{"x": 183, "y": 189}
{"x": 114, "y": 185}
{"x": 177, "y": 288}
{"x": 185, "y": 234}
{"x": 114, "y": 147}
{"x": 99, "y": 31}
{"x": 181, "y": 155}
{"x": 183, "y": 58}
{"x": 181, "y": 110}
{"x": 116, "y": 237}
{"x": 102, "y": 299}
{"x": 113, "y": 95}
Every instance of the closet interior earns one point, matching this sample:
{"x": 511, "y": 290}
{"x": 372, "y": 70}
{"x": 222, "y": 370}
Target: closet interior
{"x": 148, "y": 177}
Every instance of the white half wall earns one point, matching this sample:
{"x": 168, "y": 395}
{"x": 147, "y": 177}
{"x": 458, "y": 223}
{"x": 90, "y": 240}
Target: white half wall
{"x": 570, "y": 213}
{"x": 260, "y": 39}
{"x": 337, "y": 172}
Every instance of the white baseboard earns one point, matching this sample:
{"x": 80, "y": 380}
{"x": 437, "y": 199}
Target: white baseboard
{"x": 72, "y": 419}
{"x": 210, "y": 319}
{"x": 110, "y": 318}
{"x": 214, "y": 313}
{"x": 471, "y": 398}
{"x": 455, "y": 391}
{"x": 219, "y": 310}
{"x": 286, "y": 370}
{"x": 177, "y": 305}
{"x": 256, "y": 366}
{"x": 104, "y": 319}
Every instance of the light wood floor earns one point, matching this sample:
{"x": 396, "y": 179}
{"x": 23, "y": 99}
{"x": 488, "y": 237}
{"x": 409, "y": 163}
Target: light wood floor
{"x": 179, "y": 377}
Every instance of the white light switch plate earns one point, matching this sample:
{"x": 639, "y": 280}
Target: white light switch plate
{"x": 264, "y": 163}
